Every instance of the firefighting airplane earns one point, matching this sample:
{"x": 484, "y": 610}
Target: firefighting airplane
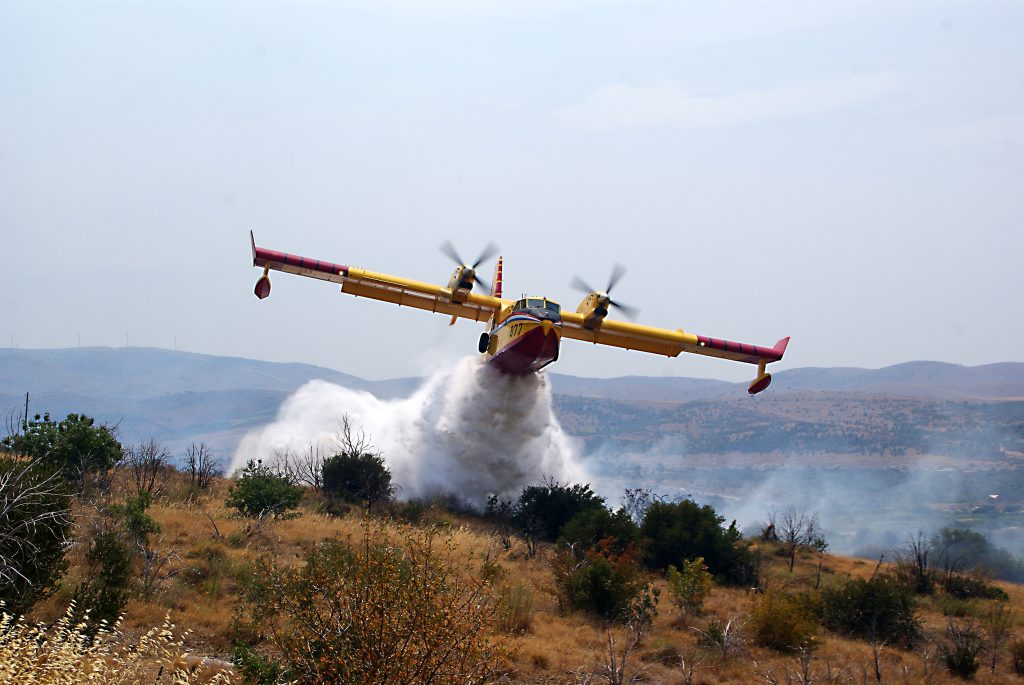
{"x": 522, "y": 335}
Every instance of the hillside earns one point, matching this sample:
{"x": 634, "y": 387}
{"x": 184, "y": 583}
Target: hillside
{"x": 214, "y": 553}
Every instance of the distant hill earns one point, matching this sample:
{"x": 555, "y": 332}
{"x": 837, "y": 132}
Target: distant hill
{"x": 179, "y": 397}
{"x": 911, "y": 379}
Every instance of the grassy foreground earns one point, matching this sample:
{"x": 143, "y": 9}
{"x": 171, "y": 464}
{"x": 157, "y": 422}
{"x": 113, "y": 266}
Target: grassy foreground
{"x": 210, "y": 554}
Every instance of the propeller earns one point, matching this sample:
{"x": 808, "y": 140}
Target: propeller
{"x": 618, "y": 271}
{"x": 489, "y": 251}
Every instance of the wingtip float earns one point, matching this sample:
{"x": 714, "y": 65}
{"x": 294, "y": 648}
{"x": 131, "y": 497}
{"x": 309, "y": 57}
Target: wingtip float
{"x": 523, "y": 336}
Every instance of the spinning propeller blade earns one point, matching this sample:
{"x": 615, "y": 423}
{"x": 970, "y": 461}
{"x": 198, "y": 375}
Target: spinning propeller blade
{"x": 618, "y": 271}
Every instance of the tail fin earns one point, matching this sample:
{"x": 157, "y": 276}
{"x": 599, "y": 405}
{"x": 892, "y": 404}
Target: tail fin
{"x": 496, "y": 283}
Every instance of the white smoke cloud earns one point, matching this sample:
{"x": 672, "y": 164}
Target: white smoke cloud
{"x": 469, "y": 430}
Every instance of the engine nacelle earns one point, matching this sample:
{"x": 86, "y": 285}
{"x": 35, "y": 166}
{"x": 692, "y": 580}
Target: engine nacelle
{"x": 594, "y": 309}
{"x": 461, "y": 283}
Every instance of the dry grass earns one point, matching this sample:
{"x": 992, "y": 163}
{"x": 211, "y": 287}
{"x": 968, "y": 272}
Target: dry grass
{"x": 61, "y": 653}
{"x": 216, "y": 551}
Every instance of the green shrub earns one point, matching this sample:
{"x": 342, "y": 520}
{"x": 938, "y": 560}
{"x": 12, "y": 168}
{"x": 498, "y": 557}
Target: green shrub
{"x": 592, "y": 527}
{"x": 611, "y": 587}
{"x": 965, "y": 587}
{"x": 672, "y": 532}
{"x": 260, "y": 493}
{"x": 104, "y": 592}
{"x": 35, "y": 520}
{"x": 75, "y": 445}
{"x": 954, "y": 606}
{"x": 543, "y": 510}
{"x": 784, "y": 622}
{"x": 389, "y": 609}
{"x": 358, "y": 477}
{"x": 961, "y": 650}
{"x": 132, "y": 517}
{"x": 878, "y": 609}
{"x": 689, "y": 585}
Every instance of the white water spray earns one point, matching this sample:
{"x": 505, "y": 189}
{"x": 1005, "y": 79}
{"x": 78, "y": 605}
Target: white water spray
{"x": 468, "y": 430}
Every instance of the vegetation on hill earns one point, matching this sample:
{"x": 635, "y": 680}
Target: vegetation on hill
{"x": 574, "y": 592}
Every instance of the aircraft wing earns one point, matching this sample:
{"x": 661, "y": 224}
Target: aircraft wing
{"x": 670, "y": 343}
{"x": 404, "y": 292}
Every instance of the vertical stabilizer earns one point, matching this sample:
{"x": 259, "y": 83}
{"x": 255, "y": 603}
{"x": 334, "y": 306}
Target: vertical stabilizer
{"x": 496, "y": 283}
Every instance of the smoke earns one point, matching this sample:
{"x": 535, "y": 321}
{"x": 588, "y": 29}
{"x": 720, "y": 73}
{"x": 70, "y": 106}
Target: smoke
{"x": 862, "y": 510}
{"x": 468, "y": 430}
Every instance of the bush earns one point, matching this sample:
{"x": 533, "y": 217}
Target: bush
{"x": 386, "y": 610}
{"x": 880, "y": 609}
{"x": 35, "y": 520}
{"x": 682, "y": 530}
{"x": 785, "y": 622}
{"x": 965, "y": 587}
{"x": 104, "y": 592}
{"x": 606, "y": 585}
{"x": 689, "y": 585}
{"x": 260, "y": 492}
{"x": 543, "y": 510}
{"x": 1017, "y": 657}
{"x": 961, "y": 650}
{"x": 76, "y": 445}
{"x": 132, "y": 516}
{"x": 592, "y": 527}
{"x": 358, "y": 477}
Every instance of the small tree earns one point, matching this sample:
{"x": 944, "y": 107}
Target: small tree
{"x": 35, "y": 520}
{"x": 201, "y": 465}
{"x": 148, "y": 464}
{"x": 689, "y": 585}
{"x": 636, "y": 502}
{"x": 75, "y": 445}
{"x": 305, "y": 467}
{"x": 358, "y": 477}
{"x": 260, "y": 493}
{"x": 795, "y": 528}
{"x": 913, "y": 564}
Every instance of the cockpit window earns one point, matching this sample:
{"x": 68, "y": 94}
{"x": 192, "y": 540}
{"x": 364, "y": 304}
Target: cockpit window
{"x": 535, "y": 303}
{"x": 553, "y": 306}
{"x": 521, "y": 304}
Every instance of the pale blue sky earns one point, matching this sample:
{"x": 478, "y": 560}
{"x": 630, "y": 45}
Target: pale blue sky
{"x": 848, "y": 173}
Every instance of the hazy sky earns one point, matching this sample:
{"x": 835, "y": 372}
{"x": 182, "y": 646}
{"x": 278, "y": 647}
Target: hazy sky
{"x": 848, "y": 173}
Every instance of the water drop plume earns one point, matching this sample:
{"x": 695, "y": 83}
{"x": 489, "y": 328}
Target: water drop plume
{"x": 468, "y": 430}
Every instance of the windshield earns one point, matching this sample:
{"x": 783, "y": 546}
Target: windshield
{"x": 553, "y": 306}
{"x": 539, "y": 304}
